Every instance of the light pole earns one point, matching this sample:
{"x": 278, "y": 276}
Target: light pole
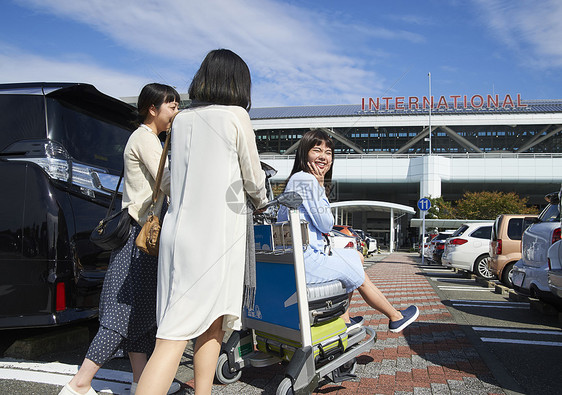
{"x": 430, "y": 105}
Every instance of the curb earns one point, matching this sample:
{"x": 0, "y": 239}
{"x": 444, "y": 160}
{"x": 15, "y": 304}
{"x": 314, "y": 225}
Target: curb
{"x": 33, "y": 347}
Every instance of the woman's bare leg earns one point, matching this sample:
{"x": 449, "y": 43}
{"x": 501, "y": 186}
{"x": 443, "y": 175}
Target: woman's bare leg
{"x": 161, "y": 367}
{"x": 345, "y": 315}
{"x": 205, "y": 357}
{"x": 138, "y": 362}
{"x": 82, "y": 381}
{"x": 376, "y": 299}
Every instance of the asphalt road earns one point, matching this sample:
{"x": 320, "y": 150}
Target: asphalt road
{"x": 520, "y": 339}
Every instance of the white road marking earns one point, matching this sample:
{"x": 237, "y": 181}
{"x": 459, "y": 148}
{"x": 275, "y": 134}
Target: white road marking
{"x": 453, "y": 280}
{"x": 106, "y": 381}
{"x": 501, "y": 302}
{"x": 490, "y": 306}
{"x": 518, "y": 341}
{"x": 516, "y": 330}
{"x": 464, "y": 289}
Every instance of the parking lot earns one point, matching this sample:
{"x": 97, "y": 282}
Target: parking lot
{"x": 468, "y": 339}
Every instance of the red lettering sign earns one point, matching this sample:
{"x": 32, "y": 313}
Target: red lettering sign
{"x": 413, "y": 102}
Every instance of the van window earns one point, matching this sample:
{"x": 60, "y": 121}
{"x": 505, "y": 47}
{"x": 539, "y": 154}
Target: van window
{"x": 515, "y": 228}
{"x": 86, "y": 138}
{"x": 482, "y": 233}
{"x": 23, "y": 118}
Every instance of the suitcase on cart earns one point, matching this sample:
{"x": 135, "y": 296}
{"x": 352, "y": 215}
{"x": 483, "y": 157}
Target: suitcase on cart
{"x": 329, "y": 339}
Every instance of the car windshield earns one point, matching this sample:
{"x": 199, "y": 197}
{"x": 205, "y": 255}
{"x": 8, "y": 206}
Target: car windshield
{"x": 339, "y": 234}
{"x": 442, "y": 236}
{"x": 550, "y": 214}
{"x": 460, "y": 231}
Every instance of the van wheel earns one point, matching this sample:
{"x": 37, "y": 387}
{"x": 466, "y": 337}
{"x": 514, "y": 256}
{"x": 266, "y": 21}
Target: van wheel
{"x": 507, "y": 275}
{"x": 481, "y": 268}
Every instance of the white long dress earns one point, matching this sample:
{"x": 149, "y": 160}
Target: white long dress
{"x": 214, "y": 164}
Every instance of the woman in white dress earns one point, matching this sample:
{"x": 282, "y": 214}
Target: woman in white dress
{"x": 214, "y": 168}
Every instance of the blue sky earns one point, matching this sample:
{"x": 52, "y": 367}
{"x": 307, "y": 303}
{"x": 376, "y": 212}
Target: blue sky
{"x": 300, "y": 52}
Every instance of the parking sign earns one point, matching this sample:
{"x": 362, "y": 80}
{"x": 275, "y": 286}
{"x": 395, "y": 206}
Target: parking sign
{"x": 424, "y": 204}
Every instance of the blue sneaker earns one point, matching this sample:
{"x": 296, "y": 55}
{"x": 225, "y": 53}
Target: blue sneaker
{"x": 355, "y": 323}
{"x": 410, "y": 314}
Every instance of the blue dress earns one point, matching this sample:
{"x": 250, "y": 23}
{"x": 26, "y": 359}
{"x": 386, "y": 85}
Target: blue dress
{"x": 343, "y": 264}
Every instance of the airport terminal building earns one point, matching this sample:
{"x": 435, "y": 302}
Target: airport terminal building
{"x": 384, "y": 152}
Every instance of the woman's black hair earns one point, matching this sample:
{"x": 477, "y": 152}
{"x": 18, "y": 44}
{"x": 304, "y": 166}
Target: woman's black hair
{"x": 310, "y": 140}
{"x": 155, "y": 94}
{"x": 223, "y": 78}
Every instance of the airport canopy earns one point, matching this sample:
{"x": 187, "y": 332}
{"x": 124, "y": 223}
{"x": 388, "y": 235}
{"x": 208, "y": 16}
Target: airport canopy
{"x": 373, "y": 205}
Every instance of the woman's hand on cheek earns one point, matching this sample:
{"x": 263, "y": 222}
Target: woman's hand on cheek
{"x": 316, "y": 172}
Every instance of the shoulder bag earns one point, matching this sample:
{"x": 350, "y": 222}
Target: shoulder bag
{"x": 148, "y": 240}
{"x": 112, "y": 231}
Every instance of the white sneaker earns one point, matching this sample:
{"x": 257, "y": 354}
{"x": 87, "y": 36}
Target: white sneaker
{"x": 67, "y": 390}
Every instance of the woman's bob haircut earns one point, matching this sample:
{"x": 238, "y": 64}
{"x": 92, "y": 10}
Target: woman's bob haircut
{"x": 310, "y": 140}
{"x": 223, "y": 78}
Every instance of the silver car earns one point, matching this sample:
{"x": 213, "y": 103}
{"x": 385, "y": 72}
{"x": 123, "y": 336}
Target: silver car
{"x": 530, "y": 273}
{"x": 555, "y": 265}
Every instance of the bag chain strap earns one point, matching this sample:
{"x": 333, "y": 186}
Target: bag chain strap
{"x": 156, "y": 191}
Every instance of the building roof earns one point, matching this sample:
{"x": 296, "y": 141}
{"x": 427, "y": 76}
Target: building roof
{"x": 353, "y": 110}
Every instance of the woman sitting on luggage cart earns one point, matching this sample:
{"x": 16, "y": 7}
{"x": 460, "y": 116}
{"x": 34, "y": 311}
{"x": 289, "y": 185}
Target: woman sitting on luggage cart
{"x": 311, "y": 177}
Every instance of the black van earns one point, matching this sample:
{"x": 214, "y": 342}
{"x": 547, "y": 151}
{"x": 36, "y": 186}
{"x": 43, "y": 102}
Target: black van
{"x": 61, "y": 155}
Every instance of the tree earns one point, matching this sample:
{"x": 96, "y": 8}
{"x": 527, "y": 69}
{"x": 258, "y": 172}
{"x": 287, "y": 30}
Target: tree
{"x": 440, "y": 209}
{"x": 480, "y": 205}
{"x": 488, "y": 205}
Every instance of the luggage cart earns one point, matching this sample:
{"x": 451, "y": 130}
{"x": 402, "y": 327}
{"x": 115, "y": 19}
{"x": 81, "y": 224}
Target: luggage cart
{"x": 291, "y": 321}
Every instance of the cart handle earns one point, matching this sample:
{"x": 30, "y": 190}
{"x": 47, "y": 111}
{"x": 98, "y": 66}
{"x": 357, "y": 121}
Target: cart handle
{"x": 290, "y": 199}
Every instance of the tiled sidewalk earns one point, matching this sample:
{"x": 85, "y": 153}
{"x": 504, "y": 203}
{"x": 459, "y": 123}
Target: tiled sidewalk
{"x": 432, "y": 356}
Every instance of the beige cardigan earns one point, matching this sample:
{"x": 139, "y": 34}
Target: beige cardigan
{"x": 142, "y": 156}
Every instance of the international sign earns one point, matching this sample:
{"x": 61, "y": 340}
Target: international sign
{"x": 453, "y": 102}
{"x": 424, "y": 204}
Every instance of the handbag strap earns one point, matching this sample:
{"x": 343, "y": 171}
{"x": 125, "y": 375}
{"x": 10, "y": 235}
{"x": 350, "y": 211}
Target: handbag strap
{"x": 165, "y": 149}
{"x": 115, "y": 192}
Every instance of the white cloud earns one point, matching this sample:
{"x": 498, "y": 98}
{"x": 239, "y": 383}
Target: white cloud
{"x": 291, "y": 57}
{"x": 17, "y": 66}
{"x": 531, "y": 29}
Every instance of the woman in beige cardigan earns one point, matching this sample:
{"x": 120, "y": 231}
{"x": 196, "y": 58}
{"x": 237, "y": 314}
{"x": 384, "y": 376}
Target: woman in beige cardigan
{"x": 128, "y": 299}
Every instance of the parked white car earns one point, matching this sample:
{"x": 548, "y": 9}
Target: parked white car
{"x": 468, "y": 249}
{"x": 372, "y": 245}
{"x": 530, "y": 273}
{"x": 338, "y": 239}
{"x": 438, "y": 239}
